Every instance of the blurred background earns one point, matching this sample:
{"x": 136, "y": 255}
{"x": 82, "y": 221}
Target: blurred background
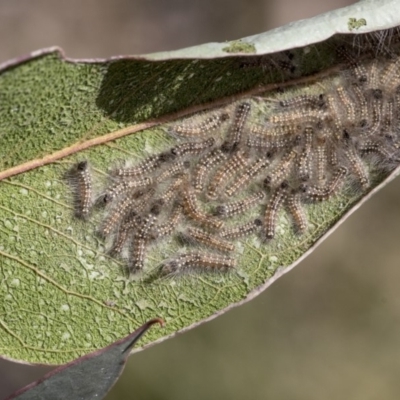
{"x": 327, "y": 330}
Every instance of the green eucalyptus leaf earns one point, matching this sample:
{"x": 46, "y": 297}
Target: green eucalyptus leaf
{"x": 61, "y": 294}
{"x": 88, "y": 377}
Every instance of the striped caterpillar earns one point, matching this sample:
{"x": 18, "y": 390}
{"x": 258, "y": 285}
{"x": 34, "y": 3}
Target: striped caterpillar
{"x": 233, "y": 170}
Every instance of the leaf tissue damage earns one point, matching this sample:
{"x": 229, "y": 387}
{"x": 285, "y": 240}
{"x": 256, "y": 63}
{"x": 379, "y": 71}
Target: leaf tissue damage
{"x": 182, "y": 220}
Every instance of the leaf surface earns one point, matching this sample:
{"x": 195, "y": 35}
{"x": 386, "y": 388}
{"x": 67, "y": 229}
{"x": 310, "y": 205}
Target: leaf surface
{"x": 61, "y": 294}
{"x": 88, "y": 377}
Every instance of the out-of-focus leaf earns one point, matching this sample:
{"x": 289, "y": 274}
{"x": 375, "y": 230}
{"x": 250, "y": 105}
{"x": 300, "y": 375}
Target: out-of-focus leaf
{"x": 88, "y": 377}
{"x": 61, "y": 295}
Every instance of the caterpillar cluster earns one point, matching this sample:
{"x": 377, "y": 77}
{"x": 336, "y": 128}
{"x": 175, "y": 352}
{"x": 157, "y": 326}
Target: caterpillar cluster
{"x": 235, "y": 168}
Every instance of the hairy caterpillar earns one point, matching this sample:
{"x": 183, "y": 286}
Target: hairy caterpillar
{"x": 302, "y": 141}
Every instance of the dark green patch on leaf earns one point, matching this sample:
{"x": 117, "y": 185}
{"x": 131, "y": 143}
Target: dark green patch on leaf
{"x": 355, "y": 23}
{"x": 238, "y": 46}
